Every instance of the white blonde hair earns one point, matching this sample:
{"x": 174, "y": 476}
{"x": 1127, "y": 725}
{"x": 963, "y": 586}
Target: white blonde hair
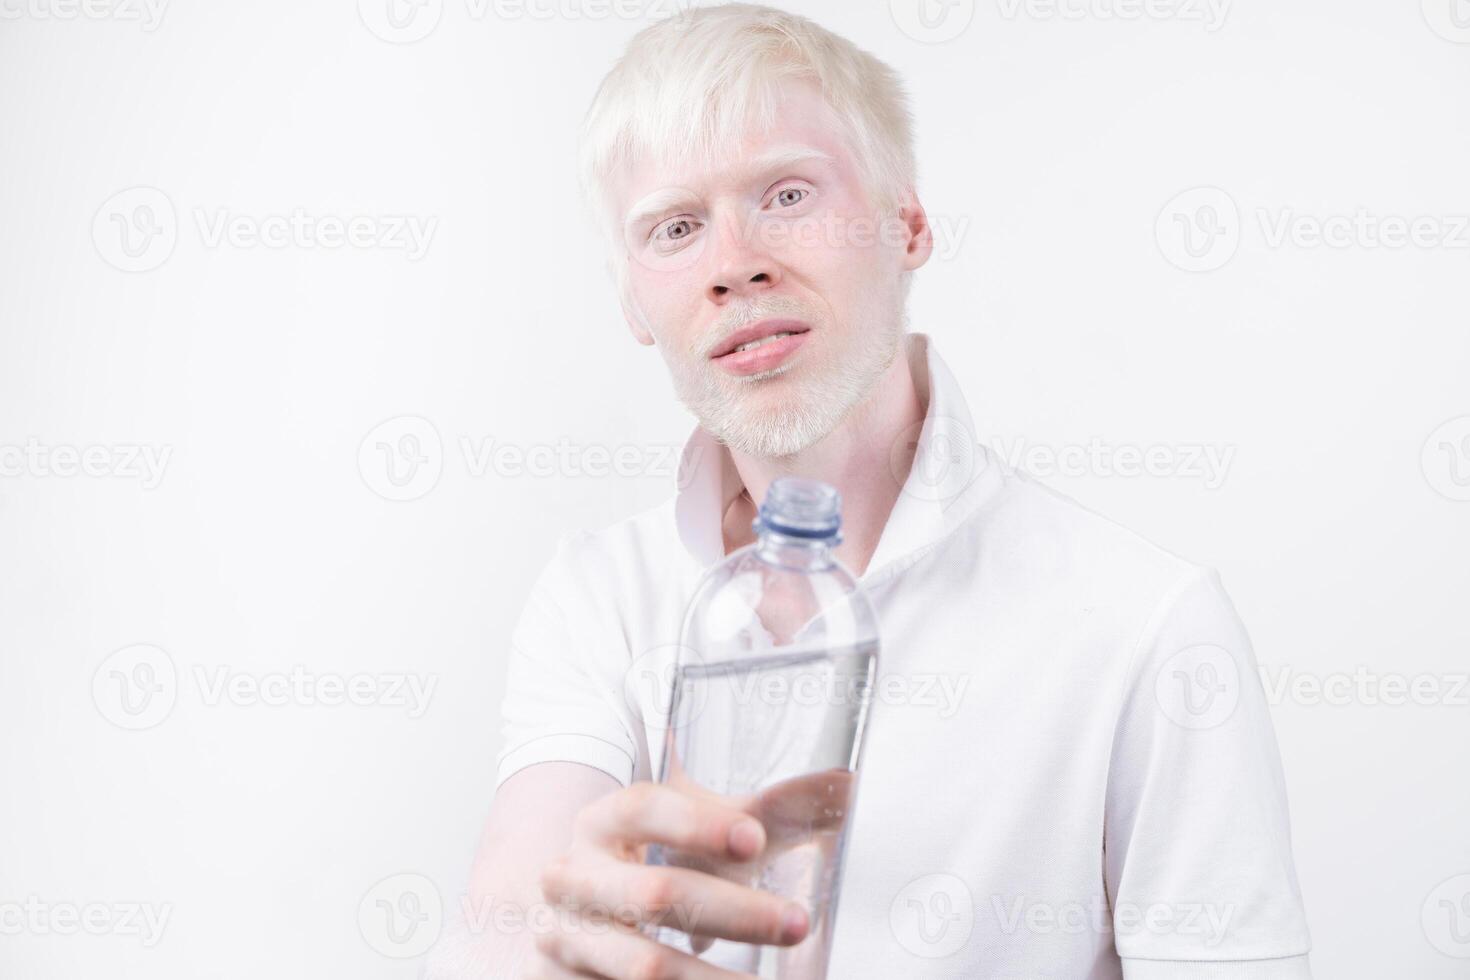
{"x": 687, "y": 88}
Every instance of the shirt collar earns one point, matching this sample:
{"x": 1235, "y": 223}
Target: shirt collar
{"x": 952, "y": 474}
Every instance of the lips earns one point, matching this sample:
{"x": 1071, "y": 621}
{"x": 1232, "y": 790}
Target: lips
{"x": 758, "y": 331}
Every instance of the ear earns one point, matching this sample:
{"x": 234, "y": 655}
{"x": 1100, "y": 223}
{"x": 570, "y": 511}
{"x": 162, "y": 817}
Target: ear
{"x": 918, "y": 242}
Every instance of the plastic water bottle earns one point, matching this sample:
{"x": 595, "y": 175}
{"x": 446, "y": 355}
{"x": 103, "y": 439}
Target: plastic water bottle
{"x": 768, "y": 714}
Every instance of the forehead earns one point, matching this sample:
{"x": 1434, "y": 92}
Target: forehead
{"x": 804, "y": 132}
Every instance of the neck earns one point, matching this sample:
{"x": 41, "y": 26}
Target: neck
{"x": 861, "y": 458}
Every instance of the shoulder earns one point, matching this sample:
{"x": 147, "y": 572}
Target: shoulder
{"x": 1029, "y": 510}
{"x": 1066, "y": 556}
{"x": 1131, "y": 601}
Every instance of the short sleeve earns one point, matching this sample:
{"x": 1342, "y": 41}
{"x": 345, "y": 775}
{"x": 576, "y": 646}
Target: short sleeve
{"x": 1197, "y": 839}
{"x": 564, "y": 694}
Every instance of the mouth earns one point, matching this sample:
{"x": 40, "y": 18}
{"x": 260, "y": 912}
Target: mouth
{"x": 758, "y": 335}
{"x": 761, "y": 347}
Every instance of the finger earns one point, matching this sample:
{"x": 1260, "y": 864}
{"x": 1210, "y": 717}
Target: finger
{"x": 622, "y": 954}
{"x": 647, "y": 813}
{"x": 684, "y": 899}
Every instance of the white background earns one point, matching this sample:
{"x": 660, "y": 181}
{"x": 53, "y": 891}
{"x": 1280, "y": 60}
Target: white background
{"x": 1053, "y": 144}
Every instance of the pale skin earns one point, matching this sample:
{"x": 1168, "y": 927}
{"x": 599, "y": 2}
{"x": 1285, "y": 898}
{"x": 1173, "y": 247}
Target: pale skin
{"x": 561, "y": 832}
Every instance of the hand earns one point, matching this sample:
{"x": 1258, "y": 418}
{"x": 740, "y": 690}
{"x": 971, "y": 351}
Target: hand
{"x": 608, "y": 895}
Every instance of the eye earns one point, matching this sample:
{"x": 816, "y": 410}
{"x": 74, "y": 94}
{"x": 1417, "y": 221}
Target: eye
{"x": 788, "y": 197}
{"x": 674, "y": 231}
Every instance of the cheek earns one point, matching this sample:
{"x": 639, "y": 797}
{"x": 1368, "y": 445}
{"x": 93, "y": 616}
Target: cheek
{"x": 669, "y": 301}
{"x": 850, "y": 243}
{"x": 856, "y": 279}
{"x": 835, "y": 267}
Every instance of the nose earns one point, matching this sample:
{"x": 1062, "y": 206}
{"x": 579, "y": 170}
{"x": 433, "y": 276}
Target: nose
{"x": 742, "y": 268}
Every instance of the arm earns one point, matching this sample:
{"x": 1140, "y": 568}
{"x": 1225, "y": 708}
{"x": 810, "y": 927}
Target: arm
{"x": 530, "y": 822}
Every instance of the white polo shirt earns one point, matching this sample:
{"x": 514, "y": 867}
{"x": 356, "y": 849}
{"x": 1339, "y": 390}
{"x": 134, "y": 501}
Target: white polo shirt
{"x": 1070, "y": 771}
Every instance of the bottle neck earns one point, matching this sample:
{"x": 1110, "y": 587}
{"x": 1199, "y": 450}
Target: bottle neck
{"x": 792, "y": 551}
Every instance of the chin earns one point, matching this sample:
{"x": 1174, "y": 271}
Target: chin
{"x": 781, "y": 428}
{"x": 781, "y": 446}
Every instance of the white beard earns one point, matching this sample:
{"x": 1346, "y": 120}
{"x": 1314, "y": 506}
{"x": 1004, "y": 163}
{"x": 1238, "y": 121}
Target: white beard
{"x": 731, "y": 410}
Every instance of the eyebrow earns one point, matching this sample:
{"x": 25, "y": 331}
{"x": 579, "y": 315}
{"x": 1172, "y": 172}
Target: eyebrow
{"x": 669, "y": 199}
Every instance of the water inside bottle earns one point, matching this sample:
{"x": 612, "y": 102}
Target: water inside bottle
{"x": 777, "y": 735}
